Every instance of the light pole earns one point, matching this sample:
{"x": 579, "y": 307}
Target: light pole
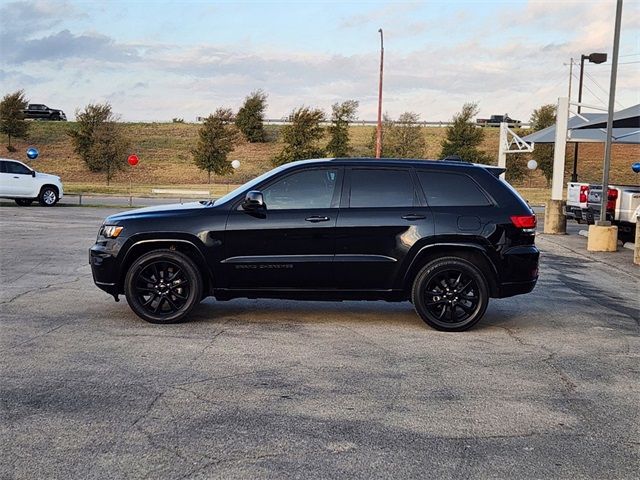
{"x": 593, "y": 58}
{"x": 612, "y": 98}
{"x": 379, "y": 127}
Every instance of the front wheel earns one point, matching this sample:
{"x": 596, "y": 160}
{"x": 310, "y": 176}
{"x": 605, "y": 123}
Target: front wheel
{"x": 48, "y": 196}
{"x": 23, "y": 202}
{"x": 450, "y": 294}
{"x": 163, "y": 286}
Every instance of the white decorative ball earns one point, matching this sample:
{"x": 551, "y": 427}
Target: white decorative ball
{"x": 235, "y": 164}
{"x": 532, "y": 164}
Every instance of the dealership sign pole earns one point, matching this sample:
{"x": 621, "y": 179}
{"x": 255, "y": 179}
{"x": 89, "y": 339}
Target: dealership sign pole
{"x": 379, "y": 127}
{"x": 133, "y": 161}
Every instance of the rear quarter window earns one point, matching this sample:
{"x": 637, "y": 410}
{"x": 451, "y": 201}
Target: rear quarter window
{"x": 444, "y": 189}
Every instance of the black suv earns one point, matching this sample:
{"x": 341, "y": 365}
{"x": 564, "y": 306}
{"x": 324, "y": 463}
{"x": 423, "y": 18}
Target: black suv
{"x": 37, "y": 111}
{"x": 445, "y": 235}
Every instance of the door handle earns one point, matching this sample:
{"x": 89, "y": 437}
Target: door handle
{"x": 17, "y": 178}
{"x": 413, "y": 216}
{"x": 317, "y": 218}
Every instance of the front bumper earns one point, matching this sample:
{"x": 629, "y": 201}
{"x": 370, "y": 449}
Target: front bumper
{"x": 104, "y": 269}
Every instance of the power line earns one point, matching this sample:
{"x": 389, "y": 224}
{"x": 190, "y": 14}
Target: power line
{"x": 590, "y": 77}
{"x": 591, "y": 91}
{"x": 601, "y": 87}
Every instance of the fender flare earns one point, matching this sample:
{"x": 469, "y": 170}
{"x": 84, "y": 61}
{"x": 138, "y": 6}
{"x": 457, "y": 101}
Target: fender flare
{"x": 463, "y": 245}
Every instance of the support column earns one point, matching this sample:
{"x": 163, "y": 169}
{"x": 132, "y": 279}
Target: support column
{"x": 555, "y": 221}
{"x": 636, "y": 251}
{"x": 502, "y": 147}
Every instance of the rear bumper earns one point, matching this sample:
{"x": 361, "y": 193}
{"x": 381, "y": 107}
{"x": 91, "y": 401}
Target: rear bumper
{"x": 520, "y": 271}
{"x": 516, "y": 288}
{"x": 573, "y": 212}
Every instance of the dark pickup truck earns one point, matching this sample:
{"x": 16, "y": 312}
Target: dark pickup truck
{"x": 37, "y": 111}
{"x": 496, "y": 120}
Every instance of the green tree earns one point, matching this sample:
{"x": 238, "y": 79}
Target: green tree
{"x": 250, "y": 117}
{"x": 301, "y": 136}
{"x": 83, "y": 134}
{"x": 216, "y": 139}
{"x": 12, "y": 122}
{"x": 541, "y": 118}
{"x": 98, "y": 139}
{"x": 109, "y": 149}
{"x": 342, "y": 114}
{"x": 463, "y": 137}
{"x": 404, "y": 138}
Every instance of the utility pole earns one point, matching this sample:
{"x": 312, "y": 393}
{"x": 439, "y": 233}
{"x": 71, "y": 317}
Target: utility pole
{"x": 612, "y": 100}
{"x": 570, "y": 77}
{"x": 379, "y": 127}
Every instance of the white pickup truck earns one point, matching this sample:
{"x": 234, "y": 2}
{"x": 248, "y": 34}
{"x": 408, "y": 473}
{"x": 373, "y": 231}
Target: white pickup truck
{"x": 577, "y": 199}
{"x": 20, "y": 183}
{"x": 623, "y": 208}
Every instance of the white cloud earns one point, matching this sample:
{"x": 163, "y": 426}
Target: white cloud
{"x": 507, "y": 69}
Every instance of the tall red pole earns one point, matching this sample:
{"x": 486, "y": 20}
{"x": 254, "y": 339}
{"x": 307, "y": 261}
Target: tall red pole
{"x": 379, "y": 127}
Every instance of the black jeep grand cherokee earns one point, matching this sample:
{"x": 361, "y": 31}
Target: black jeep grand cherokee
{"x": 445, "y": 235}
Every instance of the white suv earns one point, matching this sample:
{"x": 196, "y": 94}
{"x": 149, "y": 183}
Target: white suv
{"x": 18, "y": 182}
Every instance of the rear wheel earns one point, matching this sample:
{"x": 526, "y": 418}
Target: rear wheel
{"x": 48, "y": 196}
{"x": 450, "y": 294}
{"x": 163, "y": 286}
{"x": 24, "y": 202}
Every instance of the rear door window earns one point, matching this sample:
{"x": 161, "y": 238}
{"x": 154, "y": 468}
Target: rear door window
{"x": 444, "y": 189}
{"x": 381, "y": 188}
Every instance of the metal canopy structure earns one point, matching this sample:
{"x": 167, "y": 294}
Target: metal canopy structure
{"x": 591, "y": 128}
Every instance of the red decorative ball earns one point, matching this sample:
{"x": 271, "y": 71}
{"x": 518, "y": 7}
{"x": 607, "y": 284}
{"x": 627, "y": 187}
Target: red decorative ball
{"x": 133, "y": 160}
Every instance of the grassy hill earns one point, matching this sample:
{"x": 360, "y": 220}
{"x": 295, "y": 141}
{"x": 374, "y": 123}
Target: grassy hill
{"x": 165, "y": 156}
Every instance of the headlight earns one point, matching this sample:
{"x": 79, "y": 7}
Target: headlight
{"x": 111, "y": 231}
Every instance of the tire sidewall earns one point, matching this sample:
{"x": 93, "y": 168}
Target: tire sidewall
{"x": 433, "y": 268}
{"x": 42, "y": 193}
{"x": 195, "y": 293}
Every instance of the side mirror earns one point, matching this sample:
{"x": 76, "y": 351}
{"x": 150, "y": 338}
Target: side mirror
{"x": 33, "y": 173}
{"x": 254, "y": 200}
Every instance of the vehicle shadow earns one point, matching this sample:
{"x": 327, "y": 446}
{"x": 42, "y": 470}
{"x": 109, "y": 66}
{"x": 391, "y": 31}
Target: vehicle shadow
{"x": 270, "y": 311}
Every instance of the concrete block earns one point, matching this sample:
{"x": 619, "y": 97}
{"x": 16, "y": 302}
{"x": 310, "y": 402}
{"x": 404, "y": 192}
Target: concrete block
{"x": 555, "y": 221}
{"x": 602, "y": 239}
{"x": 636, "y": 252}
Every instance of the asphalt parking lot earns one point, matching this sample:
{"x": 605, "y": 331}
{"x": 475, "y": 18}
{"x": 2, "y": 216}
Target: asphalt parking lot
{"x": 546, "y": 386}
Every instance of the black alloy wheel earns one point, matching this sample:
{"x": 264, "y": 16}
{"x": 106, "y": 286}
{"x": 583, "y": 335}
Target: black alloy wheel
{"x": 450, "y": 294}
{"x": 163, "y": 286}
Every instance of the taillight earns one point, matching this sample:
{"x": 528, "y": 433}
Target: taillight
{"x": 584, "y": 192}
{"x": 527, "y": 222}
{"x": 612, "y": 197}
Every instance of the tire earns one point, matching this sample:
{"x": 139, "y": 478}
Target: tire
{"x": 23, "y": 202}
{"x": 48, "y": 196}
{"x": 163, "y": 286}
{"x": 450, "y": 294}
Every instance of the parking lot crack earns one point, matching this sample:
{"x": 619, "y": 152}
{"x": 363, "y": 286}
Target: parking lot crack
{"x": 32, "y": 290}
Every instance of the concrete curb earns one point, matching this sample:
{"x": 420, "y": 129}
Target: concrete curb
{"x": 629, "y": 245}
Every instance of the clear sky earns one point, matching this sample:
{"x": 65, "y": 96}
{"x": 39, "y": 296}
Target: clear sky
{"x": 155, "y": 60}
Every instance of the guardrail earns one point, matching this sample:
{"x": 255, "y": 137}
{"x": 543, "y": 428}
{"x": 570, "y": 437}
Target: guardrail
{"x": 129, "y": 200}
